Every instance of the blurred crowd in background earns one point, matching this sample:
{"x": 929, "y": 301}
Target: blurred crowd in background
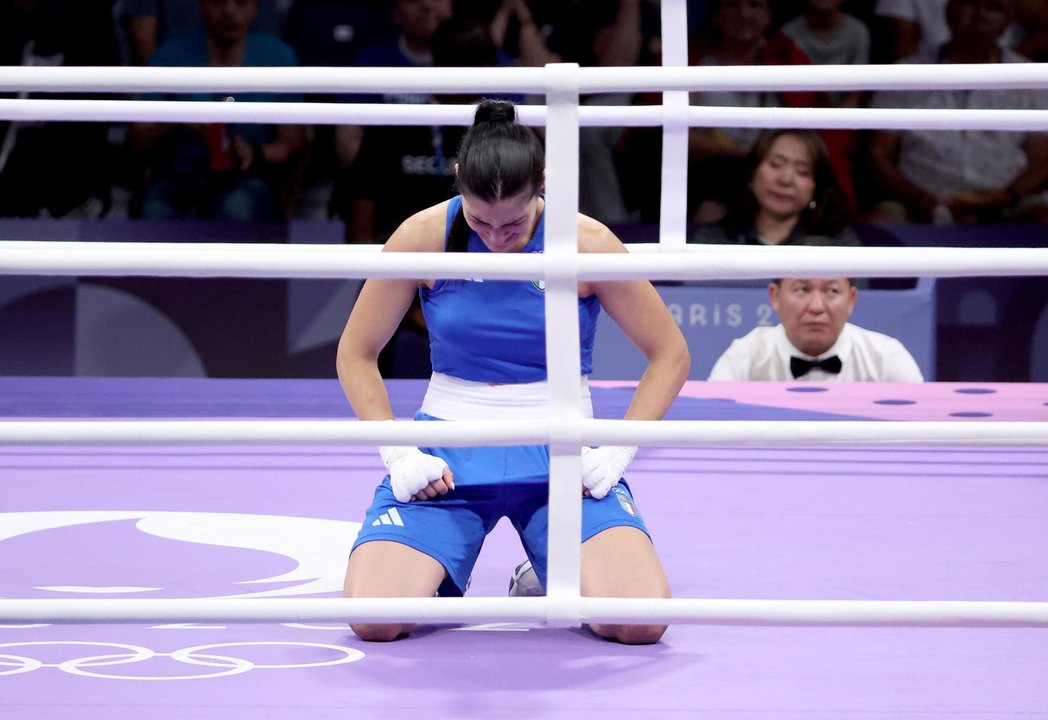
{"x": 745, "y": 186}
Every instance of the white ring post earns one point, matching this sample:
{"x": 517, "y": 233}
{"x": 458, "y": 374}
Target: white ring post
{"x": 562, "y": 345}
{"x": 673, "y": 206}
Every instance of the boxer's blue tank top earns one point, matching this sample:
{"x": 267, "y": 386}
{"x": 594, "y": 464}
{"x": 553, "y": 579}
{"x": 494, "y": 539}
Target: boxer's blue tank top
{"x": 494, "y": 330}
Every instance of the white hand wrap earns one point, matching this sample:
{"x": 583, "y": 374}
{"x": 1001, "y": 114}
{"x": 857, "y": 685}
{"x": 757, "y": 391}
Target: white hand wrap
{"x": 604, "y": 466}
{"x": 410, "y": 470}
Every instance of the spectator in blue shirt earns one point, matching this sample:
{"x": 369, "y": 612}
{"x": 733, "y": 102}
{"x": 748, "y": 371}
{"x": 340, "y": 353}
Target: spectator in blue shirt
{"x": 219, "y": 171}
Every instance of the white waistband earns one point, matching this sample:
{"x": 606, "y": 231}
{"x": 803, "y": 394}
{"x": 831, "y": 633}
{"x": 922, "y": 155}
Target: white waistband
{"x": 451, "y": 398}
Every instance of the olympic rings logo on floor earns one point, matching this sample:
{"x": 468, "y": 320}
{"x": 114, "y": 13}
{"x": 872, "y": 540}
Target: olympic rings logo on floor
{"x": 198, "y": 655}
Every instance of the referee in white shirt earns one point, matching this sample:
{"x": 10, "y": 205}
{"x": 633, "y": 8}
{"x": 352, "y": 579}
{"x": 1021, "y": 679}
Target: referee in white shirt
{"x": 815, "y": 342}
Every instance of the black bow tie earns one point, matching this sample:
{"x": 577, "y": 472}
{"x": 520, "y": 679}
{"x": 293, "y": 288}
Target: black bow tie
{"x": 800, "y": 366}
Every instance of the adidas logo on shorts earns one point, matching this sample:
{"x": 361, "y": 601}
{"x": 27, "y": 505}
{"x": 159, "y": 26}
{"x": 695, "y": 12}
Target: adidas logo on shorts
{"x": 392, "y": 517}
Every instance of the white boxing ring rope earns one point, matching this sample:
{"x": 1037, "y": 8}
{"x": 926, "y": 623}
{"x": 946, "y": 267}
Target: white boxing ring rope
{"x": 328, "y": 80}
{"x": 561, "y": 267}
{"x": 691, "y": 262}
{"x": 923, "y": 613}
{"x": 680, "y": 433}
{"x": 591, "y": 116}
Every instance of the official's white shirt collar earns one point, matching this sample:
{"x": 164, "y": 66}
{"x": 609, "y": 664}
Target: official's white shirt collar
{"x": 841, "y": 348}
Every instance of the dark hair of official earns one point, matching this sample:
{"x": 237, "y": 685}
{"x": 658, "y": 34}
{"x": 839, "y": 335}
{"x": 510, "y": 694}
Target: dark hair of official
{"x": 498, "y": 158}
